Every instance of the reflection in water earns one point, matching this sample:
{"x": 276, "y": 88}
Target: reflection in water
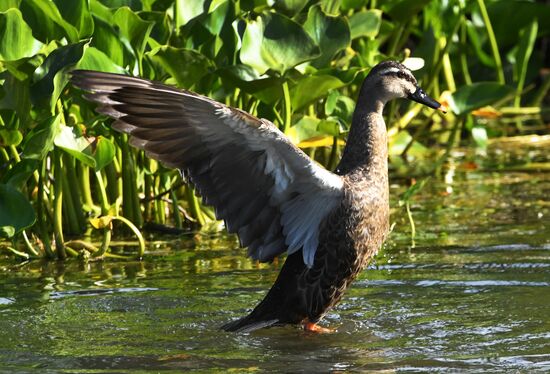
{"x": 472, "y": 295}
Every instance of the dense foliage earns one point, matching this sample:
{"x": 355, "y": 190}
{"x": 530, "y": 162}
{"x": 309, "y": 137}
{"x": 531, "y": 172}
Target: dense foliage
{"x": 299, "y": 63}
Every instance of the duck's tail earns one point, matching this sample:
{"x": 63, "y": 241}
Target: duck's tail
{"x": 281, "y": 304}
{"x": 248, "y": 324}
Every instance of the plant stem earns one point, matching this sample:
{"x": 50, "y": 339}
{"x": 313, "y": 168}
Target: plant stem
{"x": 492, "y": 41}
{"x": 58, "y": 206}
{"x": 288, "y": 108}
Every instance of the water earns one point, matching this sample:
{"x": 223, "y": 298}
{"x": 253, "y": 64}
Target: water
{"x": 473, "y": 295}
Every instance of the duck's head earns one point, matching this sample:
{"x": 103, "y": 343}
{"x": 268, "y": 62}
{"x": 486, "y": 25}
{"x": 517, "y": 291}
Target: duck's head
{"x": 394, "y": 80}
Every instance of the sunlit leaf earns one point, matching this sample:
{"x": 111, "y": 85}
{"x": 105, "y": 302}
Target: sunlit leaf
{"x": 104, "y": 152}
{"x": 290, "y": 7}
{"x": 330, "y": 33}
{"x": 10, "y": 137}
{"x": 311, "y": 88}
{"x": 133, "y": 28}
{"x": 477, "y": 95}
{"x": 101, "y": 222}
{"x": 246, "y": 78}
{"x": 94, "y": 59}
{"x": 273, "y": 41}
{"x": 16, "y": 40}
{"x": 75, "y": 145}
{"x": 366, "y": 23}
{"x": 16, "y": 212}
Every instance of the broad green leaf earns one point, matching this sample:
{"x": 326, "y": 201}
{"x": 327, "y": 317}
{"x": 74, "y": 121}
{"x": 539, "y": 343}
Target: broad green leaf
{"x": 330, "y": 33}
{"x": 16, "y": 97}
{"x": 7, "y": 4}
{"x": 77, "y": 13}
{"x": 186, "y": 10}
{"x": 40, "y": 140}
{"x": 405, "y": 10}
{"x": 171, "y": 60}
{"x": 276, "y": 42}
{"x": 290, "y": 7}
{"x": 50, "y": 77}
{"x": 365, "y": 23}
{"x": 107, "y": 39}
{"x": 16, "y": 40}
{"x": 76, "y": 146}
{"x": 16, "y": 213}
{"x": 311, "y": 88}
{"x": 247, "y": 79}
{"x": 339, "y": 106}
{"x": 104, "y": 152}
{"x": 162, "y": 28}
{"x": 94, "y": 59}
{"x": 133, "y": 28}
{"x": 10, "y": 137}
{"x": 353, "y": 4}
{"x": 477, "y": 95}
{"x": 46, "y": 21}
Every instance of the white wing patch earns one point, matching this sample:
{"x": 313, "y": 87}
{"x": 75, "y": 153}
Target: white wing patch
{"x": 305, "y": 192}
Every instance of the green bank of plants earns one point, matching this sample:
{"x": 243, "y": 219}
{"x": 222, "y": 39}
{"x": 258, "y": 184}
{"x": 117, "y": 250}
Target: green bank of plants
{"x": 64, "y": 174}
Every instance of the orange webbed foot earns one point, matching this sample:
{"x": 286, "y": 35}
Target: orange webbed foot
{"x": 313, "y": 327}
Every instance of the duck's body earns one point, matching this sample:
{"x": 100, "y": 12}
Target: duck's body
{"x": 267, "y": 190}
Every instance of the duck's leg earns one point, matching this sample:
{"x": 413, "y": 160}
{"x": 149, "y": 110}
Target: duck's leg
{"x": 313, "y": 327}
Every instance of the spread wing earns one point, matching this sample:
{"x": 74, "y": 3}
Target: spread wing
{"x": 265, "y": 189}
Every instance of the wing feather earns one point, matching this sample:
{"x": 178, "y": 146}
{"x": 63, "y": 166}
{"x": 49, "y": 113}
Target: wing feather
{"x": 265, "y": 188}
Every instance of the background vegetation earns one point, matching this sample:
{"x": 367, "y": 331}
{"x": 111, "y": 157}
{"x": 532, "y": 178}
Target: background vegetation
{"x": 64, "y": 174}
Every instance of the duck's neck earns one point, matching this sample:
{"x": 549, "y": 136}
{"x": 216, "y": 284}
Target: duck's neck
{"x": 366, "y": 149}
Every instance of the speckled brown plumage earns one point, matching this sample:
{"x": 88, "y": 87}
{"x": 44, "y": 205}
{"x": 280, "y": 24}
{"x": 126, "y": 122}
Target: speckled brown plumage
{"x": 266, "y": 189}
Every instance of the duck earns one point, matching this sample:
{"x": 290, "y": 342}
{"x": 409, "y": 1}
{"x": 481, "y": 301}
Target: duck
{"x": 276, "y": 199}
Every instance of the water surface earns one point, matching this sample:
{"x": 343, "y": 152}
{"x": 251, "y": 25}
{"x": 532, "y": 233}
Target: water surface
{"x": 473, "y": 294}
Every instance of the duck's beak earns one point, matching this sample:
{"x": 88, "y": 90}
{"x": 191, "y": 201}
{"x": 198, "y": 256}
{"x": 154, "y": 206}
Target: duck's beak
{"x": 421, "y": 97}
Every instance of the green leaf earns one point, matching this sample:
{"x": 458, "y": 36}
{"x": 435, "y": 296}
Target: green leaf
{"x": 104, "y": 152}
{"x": 7, "y": 4}
{"x": 16, "y": 40}
{"x": 16, "y": 213}
{"x": 50, "y": 77}
{"x": 247, "y": 79}
{"x": 77, "y": 13}
{"x": 17, "y": 97}
{"x": 40, "y": 140}
{"x": 133, "y": 28}
{"x": 405, "y": 10}
{"x": 46, "y": 21}
{"x": 75, "y": 145}
{"x": 353, "y": 4}
{"x": 94, "y": 59}
{"x": 366, "y": 23}
{"x": 509, "y": 17}
{"x": 108, "y": 40}
{"x": 276, "y": 42}
{"x": 10, "y": 137}
{"x": 311, "y": 88}
{"x": 477, "y": 95}
{"x": 290, "y": 7}
{"x": 524, "y": 51}
{"x": 170, "y": 60}
{"x": 186, "y": 10}
{"x": 330, "y": 33}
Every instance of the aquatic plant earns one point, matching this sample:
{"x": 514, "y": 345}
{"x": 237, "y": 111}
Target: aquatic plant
{"x": 64, "y": 173}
